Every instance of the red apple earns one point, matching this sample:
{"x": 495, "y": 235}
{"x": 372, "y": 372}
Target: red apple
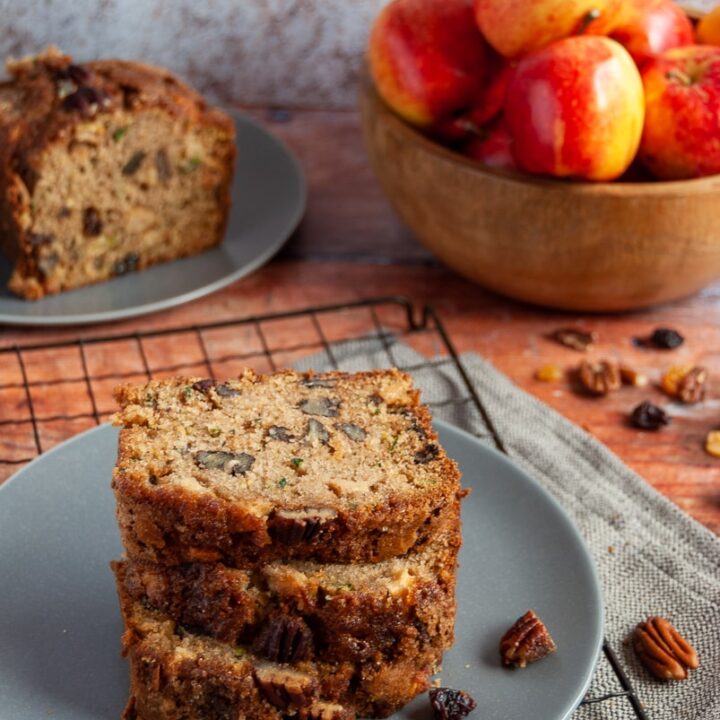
{"x": 493, "y": 148}
{"x": 487, "y": 107}
{"x": 681, "y": 138}
{"x": 516, "y": 27}
{"x": 575, "y": 109}
{"x": 428, "y": 59}
{"x": 649, "y": 27}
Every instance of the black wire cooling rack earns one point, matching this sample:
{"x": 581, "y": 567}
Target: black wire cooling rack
{"x": 51, "y": 391}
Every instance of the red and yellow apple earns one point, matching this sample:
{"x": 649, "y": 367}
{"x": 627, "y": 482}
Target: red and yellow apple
{"x": 707, "y": 31}
{"x": 493, "y": 147}
{"x": 428, "y": 59}
{"x": 681, "y": 138}
{"x": 517, "y": 27}
{"x": 575, "y": 109}
{"x": 646, "y": 28}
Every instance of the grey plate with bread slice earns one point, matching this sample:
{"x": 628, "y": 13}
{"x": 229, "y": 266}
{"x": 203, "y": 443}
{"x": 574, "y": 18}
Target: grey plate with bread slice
{"x": 268, "y": 202}
{"x": 60, "y": 623}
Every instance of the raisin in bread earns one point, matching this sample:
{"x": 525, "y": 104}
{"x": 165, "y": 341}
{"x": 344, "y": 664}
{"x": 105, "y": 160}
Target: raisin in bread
{"x": 334, "y": 468}
{"x": 176, "y": 674}
{"x": 106, "y": 168}
{"x": 299, "y": 610}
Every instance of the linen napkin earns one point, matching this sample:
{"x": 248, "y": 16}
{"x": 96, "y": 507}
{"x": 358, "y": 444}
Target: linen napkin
{"x": 662, "y": 562}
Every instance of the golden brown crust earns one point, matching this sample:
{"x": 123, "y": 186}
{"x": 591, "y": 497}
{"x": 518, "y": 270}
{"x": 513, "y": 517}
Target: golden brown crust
{"x": 46, "y": 99}
{"x": 168, "y": 516}
{"x": 177, "y": 674}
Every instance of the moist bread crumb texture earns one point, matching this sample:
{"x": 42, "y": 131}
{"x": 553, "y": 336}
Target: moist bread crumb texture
{"x": 291, "y": 545}
{"x": 106, "y": 167}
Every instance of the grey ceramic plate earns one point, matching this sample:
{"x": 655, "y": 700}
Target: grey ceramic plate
{"x": 268, "y": 201}
{"x": 60, "y": 627}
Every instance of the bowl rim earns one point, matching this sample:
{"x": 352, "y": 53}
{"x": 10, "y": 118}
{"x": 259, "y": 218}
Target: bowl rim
{"x": 701, "y": 185}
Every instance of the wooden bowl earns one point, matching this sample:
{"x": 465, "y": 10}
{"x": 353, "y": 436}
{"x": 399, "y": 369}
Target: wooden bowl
{"x": 577, "y": 246}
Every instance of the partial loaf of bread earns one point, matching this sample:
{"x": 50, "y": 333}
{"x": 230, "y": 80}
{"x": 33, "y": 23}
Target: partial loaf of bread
{"x": 333, "y": 468}
{"x": 106, "y": 167}
{"x": 300, "y": 610}
{"x": 178, "y": 674}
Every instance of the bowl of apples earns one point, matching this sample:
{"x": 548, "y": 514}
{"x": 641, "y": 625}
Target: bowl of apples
{"x": 564, "y": 154}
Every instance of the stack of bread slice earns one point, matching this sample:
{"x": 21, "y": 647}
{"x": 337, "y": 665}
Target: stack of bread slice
{"x": 290, "y": 545}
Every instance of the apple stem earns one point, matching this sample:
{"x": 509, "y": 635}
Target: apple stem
{"x": 590, "y": 17}
{"x": 679, "y": 76}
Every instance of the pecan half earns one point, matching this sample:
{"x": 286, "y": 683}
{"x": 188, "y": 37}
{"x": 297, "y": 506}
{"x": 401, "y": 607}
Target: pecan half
{"x": 284, "y": 639}
{"x": 294, "y": 526}
{"x": 526, "y": 641}
{"x": 573, "y": 338}
{"x": 662, "y": 650}
{"x": 599, "y": 377}
{"x": 687, "y": 383}
{"x": 283, "y": 688}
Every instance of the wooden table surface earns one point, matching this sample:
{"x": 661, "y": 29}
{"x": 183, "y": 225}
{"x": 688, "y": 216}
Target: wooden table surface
{"x": 351, "y": 246}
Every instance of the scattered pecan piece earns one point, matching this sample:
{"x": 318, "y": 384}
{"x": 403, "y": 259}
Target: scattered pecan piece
{"x": 548, "y": 373}
{"x": 599, "y": 377}
{"x": 712, "y": 443}
{"x": 574, "y": 338}
{"x": 662, "y": 650}
{"x": 632, "y": 377}
{"x": 526, "y": 641}
{"x": 449, "y": 704}
{"x": 294, "y": 526}
{"x": 319, "y": 382}
{"x": 687, "y": 383}
{"x": 647, "y": 416}
{"x": 284, "y": 639}
{"x": 283, "y": 688}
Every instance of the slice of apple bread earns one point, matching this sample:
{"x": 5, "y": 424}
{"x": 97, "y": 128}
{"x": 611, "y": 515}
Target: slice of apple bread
{"x": 333, "y": 468}
{"x": 106, "y": 167}
{"x": 177, "y": 673}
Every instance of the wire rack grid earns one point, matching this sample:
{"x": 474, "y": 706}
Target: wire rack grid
{"x": 51, "y": 391}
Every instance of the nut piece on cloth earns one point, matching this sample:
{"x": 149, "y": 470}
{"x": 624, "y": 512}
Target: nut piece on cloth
{"x": 662, "y": 650}
{"x": 526, "y": 641}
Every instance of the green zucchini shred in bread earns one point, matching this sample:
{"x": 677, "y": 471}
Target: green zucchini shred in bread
{"x": 331, "y": 468}
{"x": 108, "y": 167}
